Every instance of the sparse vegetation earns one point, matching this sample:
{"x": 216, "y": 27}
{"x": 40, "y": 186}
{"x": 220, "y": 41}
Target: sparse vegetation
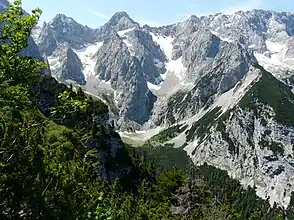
{"x": 270, "y": 91}
{"x": 203, "y": 125}
{"x": 168, "y": 133}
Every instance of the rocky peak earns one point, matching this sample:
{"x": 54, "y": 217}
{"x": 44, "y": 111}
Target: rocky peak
{"x": 191, "y": 24}
{"x": 65, "y": 29}
{"x": 121, "y": 21}
{"x": 61, "y": 19}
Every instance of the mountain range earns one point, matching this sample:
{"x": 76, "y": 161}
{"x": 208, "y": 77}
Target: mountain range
{"x": 220, "y": 86}
{"x": 143, "y": 68}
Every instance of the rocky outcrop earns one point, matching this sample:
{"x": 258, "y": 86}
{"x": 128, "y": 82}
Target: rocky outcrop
{"x": 252, "y": 141}
{"x": 114, "y": 159}
{"x": 121, "y": 21}
{"x": 72, "y": 68}
{"x": 126, "y": 76}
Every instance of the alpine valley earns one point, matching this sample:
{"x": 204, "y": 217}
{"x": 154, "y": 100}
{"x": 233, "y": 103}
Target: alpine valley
{"x": 218, "y": 87}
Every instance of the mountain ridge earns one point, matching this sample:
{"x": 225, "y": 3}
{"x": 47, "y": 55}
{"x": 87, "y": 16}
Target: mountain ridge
{"x": 252, "y": 140}
{"x": 174, "y": 56}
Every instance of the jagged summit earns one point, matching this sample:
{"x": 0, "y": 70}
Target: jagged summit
{"x": 62, "y": 19}
{"x": 120, "y": 14}
{"x": 121, "y": 21}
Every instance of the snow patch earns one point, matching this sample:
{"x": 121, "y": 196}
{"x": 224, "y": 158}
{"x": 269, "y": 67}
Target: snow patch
{"x": 163, "y": 76}
{"x": 275, "y": 60}
{"x": 122, "y": 33}
{"x": 220, "y": 37}
{"x": 268, "y": 62}
{"x": 87, "y": 58}
{"x": 106, "y": 82}
{"x": 165, "y": 43}
{"x": 142, "y": 135}
{"x": 129, "y": 45}
{"x": 274, "y": 47}
{"x": 175, "y": 67}
{"x": 153, "y": 86}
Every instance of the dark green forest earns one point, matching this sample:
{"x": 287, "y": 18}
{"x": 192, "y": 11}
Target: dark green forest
{"x": 57, "y": 160}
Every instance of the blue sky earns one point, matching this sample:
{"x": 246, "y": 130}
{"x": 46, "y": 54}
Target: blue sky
{"x": 153, "y": 12}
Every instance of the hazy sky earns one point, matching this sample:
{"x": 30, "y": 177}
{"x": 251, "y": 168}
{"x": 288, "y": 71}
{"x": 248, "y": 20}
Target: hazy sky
{"x": 153, "y": 12}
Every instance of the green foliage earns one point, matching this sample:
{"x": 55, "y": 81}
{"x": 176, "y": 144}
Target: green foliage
{"x": 78, "y": 111}
{"x": 15, "y": 30}
{"x": 240, "y": 203}
{"x": 168, "y": 134}
{"x": 165, "y": 158}
{"x": 203, "y": 125}
{"x": 69, "y": 107}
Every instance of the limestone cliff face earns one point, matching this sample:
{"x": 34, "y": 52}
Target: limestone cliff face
{"x": 149, "y": 68}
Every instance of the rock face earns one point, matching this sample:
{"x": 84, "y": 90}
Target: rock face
{"x": 254, "y": 140}
{"x": 199, "y": 57}
{"x": 67, "y": 65}
{"x": 119, "y": 53}
{"x": 126, "y": 75}
{"x": 207, "y": 74}
{"x": 249, "y": 132}
{"x": 121, "y": 21}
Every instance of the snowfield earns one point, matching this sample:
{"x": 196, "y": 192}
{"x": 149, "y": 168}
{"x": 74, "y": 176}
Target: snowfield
{"x": 86, "y": 56}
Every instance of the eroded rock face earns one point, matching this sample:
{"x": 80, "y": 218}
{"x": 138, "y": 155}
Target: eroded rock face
{"x": 209, "y": 75}
{"x": 73, "y": 68}
{"x": 121, "y": 21}
{"x": 255, "y": 153}
{"x": 168, "y": 58}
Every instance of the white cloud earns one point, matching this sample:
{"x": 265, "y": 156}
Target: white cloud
{"x": 98, "y": 14}
{"x": 244, "y": 6}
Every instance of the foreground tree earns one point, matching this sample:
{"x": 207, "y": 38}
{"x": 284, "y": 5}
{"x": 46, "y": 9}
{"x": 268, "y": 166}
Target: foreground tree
{"x": 43, "y": 174}
{"x": 15, "y": 31}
